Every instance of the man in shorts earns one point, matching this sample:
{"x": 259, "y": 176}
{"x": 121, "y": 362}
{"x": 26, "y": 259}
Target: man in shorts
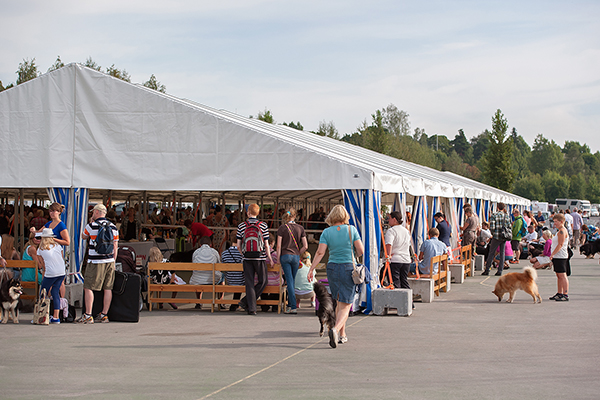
{"x": 100, "y": 269}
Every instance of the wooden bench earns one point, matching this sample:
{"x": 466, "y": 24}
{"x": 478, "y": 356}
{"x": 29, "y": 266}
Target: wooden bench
{"x": 428, "y": 284}
{"x": 155, "y": 290}
{"x": 466, "y": 255}
{"x": 279, "y": 289}
{"x": 26, "y": 285}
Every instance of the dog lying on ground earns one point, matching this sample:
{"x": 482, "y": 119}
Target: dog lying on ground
{"x": 512, "y": 281}
{"x": 10, "y": 291}
{"x": 589, "y": 249}
{"x": 326, "y": 311}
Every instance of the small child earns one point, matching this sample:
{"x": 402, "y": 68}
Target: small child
{"x": 163, "y": 276}
{"x": 53, "y": 268}
{"x": 302, "y": 286}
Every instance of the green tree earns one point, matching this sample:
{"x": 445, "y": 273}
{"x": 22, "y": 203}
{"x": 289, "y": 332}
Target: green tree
{"x": 297, "y": 125}
{"x": 265, "y": 116}
{"x": 3, "y": 88}
{"x": 328, "y": 129}
{"x": 577, "y": 186}
{"x": 593, "y": 189}
{"x": 395, "y": 121}
{"x": 57, "y": 64}
{"x": 420, "y": 136}
{"x": 530, "y": 187}
{"x": 573, "y": 158}
{"x": 376, "y": 136}
{"x": 439, "y": 143}
{"x": 92, "y": 64}
{"x": 520, "y": 154}
{"x": 462, "y": 147}
{"x": 545, "y": 156}
{"x": 117, "y": 73}
{"x": 497, "y": 163}
{"x": 480, "y": 144}
{"x": 27, "y": 71}
{"x": 153, "y": 83}
{"x": 555, "y": 185}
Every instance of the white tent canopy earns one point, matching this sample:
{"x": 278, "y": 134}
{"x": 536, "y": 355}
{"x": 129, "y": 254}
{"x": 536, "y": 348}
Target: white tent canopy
{"x": 76, "y": 127}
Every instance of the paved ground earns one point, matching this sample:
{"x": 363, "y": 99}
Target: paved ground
{"x": 464, "y": 345}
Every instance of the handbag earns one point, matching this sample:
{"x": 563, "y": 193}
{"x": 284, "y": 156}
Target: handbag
{"x": 41, "y": 310}
{"x": 358, "y": 273}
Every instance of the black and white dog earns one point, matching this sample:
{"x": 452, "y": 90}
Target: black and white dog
{"x": 10, "y": 291}
{"x": 326, "y": 310}
{"x": 589, "y": 249}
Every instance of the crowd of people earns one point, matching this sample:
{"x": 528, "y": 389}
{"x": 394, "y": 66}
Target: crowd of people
{"x": 224, "y": 237}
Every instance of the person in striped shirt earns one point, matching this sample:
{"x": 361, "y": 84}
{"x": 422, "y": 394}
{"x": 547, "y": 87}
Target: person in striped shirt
{"x": 236, "y": 278}
{"x": 100, "y": 269}
{"x": 254, "y": 266}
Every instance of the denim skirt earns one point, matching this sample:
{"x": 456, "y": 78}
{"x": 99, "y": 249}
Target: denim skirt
{"x": 340, "y": 281}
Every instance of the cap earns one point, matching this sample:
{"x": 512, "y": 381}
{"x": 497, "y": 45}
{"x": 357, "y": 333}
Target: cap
{"x": 99, "y": 207}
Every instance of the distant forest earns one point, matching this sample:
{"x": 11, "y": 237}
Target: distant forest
{"x": 499, "y": 157}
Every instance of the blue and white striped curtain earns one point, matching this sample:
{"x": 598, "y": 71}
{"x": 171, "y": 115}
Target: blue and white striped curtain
{"x": 75, "y": 201}
{"x": 478, "y": 208}
{"x": 364, "y": 208}
{"x": 486, "y": 210}
{"x": 459, "y": 210}
{"x": 419, "y": 225}
{"x": 436, "y": 206}
{"x": 400, "y": 205}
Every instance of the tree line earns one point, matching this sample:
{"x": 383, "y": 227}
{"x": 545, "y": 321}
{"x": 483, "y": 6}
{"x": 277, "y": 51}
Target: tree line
{"x": 28, "y": 70}
{"x": 499, "y": 157}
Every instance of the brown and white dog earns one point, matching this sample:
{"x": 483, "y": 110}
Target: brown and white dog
{"x": 10, "y": 291}
{"x": 510, "y": 282}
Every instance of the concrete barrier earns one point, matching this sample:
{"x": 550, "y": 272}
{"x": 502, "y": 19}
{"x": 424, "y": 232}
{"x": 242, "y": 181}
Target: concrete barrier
{"x": 400, "y": 299}
{"x": 458, "y": 272}
{"x": 423, "y": 287}
{"x": 479, "y": 262}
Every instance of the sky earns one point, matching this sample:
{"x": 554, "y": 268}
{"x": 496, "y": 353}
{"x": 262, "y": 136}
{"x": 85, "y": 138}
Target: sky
{"x": 449, "y": 64}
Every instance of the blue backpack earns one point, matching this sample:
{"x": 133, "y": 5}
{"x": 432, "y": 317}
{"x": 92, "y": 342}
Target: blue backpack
{"x": 523, "y": 230}
{"x": 104, "y": 238}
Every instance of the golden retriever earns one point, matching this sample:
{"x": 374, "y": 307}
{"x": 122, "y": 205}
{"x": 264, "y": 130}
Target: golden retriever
{"x": 510, "y": 282}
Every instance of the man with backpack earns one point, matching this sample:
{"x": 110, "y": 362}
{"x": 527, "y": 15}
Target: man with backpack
{"x": 500, "y": 228}
{"x": 253, "y": 242}
{"x": 519, "y": 230}
{"x": 100, "y": 268}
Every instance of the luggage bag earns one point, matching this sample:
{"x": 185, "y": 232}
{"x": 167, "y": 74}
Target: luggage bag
{"x": 125, "y": 304}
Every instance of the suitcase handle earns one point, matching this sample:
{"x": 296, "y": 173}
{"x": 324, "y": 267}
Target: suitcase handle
{"x": 120, "y": 283}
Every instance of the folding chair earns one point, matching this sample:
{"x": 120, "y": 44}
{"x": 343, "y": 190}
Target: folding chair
{"x": 163, "y": 246}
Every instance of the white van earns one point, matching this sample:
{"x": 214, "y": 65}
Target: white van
{"x": 583, "y": 205}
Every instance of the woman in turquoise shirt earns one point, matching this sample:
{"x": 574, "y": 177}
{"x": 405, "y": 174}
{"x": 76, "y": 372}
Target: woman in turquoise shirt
{"x": 336, "y": 238}
{"x": 30, "y": 253}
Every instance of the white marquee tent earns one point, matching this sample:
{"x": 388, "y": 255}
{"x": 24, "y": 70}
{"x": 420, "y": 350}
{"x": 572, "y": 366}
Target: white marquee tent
{"x": 76, "y": 128}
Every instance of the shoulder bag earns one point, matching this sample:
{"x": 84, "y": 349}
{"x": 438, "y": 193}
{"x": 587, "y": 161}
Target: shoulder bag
{"x": 358, "y": 274}
{"x": 41, "y": 310}
{"x": 506, "y": 231}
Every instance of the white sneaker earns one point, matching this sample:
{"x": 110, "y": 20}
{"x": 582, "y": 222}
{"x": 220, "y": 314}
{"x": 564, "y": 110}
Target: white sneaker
{"x": 343, "y": 339}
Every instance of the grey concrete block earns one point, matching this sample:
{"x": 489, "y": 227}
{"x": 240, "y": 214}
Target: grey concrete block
{"x": 74, "y": 294}
{"x": 423, "y": 287}
{"x": 479, "y": 262}
{"x": 457, "y": 272}
{"x": 400, "y": 299}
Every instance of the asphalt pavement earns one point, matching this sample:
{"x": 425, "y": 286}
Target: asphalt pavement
{"x": 464, "y": 345}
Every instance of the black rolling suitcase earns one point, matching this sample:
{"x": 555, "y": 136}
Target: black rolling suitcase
{"x": 125, "y": 304}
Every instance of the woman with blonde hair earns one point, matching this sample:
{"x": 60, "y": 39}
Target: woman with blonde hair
{"x": 163, "y": 276}
{"x": 61, "y": 234}
{"x": 54, "y": 269}
{"x": 291, "y": 242}
{"x": 560, "y": 258}
{"x": 341, "y": 239}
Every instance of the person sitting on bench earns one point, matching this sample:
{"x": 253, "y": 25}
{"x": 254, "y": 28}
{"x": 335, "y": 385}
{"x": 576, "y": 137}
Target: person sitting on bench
{"x": 429, "y": 249}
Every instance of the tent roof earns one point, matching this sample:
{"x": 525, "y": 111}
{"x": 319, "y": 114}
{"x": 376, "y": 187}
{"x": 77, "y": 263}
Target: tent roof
{"x": 77, "y": 127}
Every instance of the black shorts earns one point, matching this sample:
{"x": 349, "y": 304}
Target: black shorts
{"x": 514, "y": 244}
{"x": 560, "y": 265}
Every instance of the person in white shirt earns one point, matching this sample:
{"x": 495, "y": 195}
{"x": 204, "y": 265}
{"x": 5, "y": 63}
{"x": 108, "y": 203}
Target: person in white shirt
{"x": 527, "y": 239}
{"x": 397, "y": 244}
{"x": 205, "y": 254}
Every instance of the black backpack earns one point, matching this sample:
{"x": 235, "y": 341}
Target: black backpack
{"x": 104, "y": 238}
